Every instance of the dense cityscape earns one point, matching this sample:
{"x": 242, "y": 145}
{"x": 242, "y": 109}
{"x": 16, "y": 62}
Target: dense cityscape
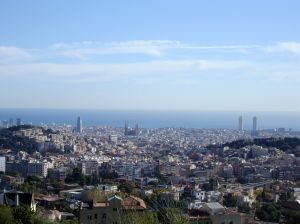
{"x": 82, "y": 174}
{"x": 149, "y": 112}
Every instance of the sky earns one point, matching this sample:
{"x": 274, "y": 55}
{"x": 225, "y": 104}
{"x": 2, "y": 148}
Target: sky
{"x": 215, "y": 55}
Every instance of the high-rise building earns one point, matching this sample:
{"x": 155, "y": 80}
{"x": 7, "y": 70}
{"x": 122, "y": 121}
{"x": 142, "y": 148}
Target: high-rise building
{"x": 19, "y": 121}
{"x": 126, "y": 129}
{"x": 241, "y": 127}
{"x": 79, "y": 125}
{"x": 129, "y": 131}
{"x": 37, "y": 168}
{"x": 254, "y": 129}
{"x": 136, "y": 129}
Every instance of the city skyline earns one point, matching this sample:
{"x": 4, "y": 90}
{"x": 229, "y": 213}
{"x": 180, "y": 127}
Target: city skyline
{"x": 159, "y": 55}
{"x": 152, "y": 112}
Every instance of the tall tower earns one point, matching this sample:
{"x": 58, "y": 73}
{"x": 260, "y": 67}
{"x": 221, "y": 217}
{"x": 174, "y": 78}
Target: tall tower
{"x": 126, "y": 129}
{"x": 79, "y": 125}
{"x": 241, "y": 127}
{"x": 254, "y": 129}
{"x": 19, "y": 121}
{"x": 136, "y": 129}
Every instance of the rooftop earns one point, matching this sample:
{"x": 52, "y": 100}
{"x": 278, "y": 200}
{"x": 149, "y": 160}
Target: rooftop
{"x": 214, "y": 205}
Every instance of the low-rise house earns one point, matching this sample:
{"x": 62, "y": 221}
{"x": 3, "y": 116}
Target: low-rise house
{"x": 16, "y": 199}
{"x": 207, "y": 196}
{"x": 218, "y": 214}
{"x": 108, "y": 188}
{"x": 110, "y": 211}
{"x": 214, "y": 208}
{"x": 7, "y": 181}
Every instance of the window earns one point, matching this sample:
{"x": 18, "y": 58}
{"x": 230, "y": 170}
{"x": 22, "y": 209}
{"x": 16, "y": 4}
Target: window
{"x": 89, "y": 217}
{"x": 115, "y": 209}
{"x": 115, "y": 223}
{"x": 96, "y": 216}
{"x": 104, "y": 216}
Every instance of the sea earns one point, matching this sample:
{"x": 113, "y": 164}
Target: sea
{"x": 155, "y": 118}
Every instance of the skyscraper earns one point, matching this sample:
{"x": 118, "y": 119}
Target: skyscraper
{"x": 241, "y": 127}
{"x": 18, "y": 121}
{"x": 79, "y": 125}
{"x": 254, "y": 129}
{"x": 129, "y": 131}
{"x": 136, "y": 129}
{"x": 126, "y": 129}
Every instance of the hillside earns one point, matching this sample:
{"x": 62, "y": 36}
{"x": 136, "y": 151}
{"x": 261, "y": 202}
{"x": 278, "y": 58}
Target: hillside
{"x": 288, "y": 145}
{"x": 8, "y": 140}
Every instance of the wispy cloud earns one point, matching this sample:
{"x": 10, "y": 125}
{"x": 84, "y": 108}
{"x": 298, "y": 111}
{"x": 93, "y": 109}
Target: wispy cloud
{"x": 288, "y": 47}
{"x": 148, "y": 47}
{"x": 14, "y": 54}
{"x": 87, "y": 50}
{"x": 156, "y": 48}
{"x": 107, "y": 72}
{"x": 15, "y": 62}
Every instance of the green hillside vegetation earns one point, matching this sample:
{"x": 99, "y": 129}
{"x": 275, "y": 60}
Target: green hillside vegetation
{"x": 8, "y": 140}
{"x": 288, "y": 145}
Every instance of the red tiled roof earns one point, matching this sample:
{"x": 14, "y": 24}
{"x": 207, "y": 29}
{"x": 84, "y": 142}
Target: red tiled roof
{"x": 134, "y": 203}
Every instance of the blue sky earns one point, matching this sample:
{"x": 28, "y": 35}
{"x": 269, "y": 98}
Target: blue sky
{"x": 183, "y": 55}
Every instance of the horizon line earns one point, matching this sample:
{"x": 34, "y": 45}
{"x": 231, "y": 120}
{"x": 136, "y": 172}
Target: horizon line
{"x": 155, "y": 109}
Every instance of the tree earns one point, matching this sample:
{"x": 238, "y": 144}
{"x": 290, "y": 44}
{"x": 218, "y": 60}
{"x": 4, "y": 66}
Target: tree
{"x": 127, "y": 187}
{"x": 19, "y": 215}
{"x": 6, "y": 215}
{"x": 230, "y": 200}
{"x": 93, "y": 195}
{"x": 292, "y": 217}
{"x": 76, "y": 177}
{"x": 268, "y": 213}
{"x": 58, "y": 184}
{"x": 23, "y": 215}
{"x": 244, "y": 208}
{"x": 264, "y": 197}
{"x": 145, "y": 217}
{"x": 169, "y": 215}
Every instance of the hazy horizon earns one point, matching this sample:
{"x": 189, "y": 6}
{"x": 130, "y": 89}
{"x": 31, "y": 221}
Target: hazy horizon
{"x": 155, "y": 118}
{"x": 153, "y": 109}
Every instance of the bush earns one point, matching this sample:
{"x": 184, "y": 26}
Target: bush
{"x": 268, "y": 213}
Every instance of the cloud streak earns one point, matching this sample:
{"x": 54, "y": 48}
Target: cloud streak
{"x": 17, "y": 62}
{"x": 88, "y": 50}
{"x": 288, "y": 47}
{"x": 148, "y": 47}
{"x": 155, "y": 48}
{"x": 158, "y": 48}
{"x": 107, "y": 72}
{"x": 13, "y": 55}
{"x": 158, "y": 70}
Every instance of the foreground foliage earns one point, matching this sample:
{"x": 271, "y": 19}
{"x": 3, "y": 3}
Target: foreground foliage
{"x": 23, "y": 215}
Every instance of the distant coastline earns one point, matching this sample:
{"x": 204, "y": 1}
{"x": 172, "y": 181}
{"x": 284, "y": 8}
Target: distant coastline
{"x": 155, "y": 118}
